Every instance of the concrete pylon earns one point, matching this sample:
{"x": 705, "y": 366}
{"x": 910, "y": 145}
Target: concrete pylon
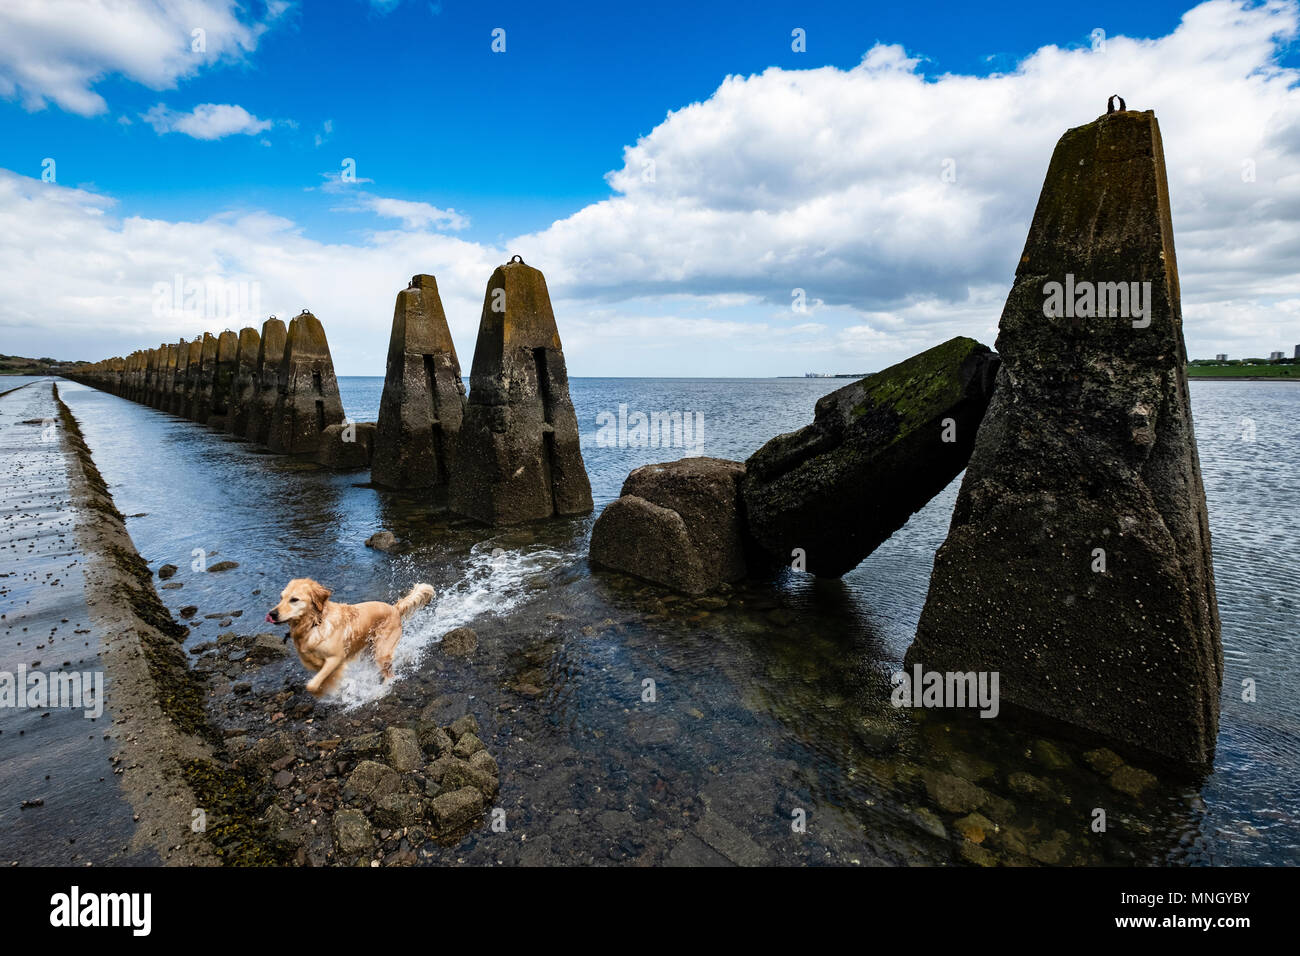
{"x": 307, "y": 400}
{"x": 176, "y": 401}
{"x": 203, "y": 398}
{"x": 223, "y": 374}
{"x": 266, "y": 381}
{"x": 424, "y": 397}
{"x": 1077, "y": 565}
{"x": 243, "y": 385}
{"x": 518, "y": 458}
{"x": 193, "y": 376}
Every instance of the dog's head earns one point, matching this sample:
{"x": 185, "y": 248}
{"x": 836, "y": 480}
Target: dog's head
{"x": 300, "y": 597}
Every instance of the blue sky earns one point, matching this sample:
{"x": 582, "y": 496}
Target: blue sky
{"x": 521, "y": 146}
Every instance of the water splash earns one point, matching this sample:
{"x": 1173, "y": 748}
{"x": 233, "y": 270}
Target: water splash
{"x": 495, "y": 581}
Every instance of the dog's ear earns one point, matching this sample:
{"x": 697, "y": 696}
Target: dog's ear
{"x": 319, "y": 594}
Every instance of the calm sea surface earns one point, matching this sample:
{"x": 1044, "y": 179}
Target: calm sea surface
{"x": 775, "y": 704}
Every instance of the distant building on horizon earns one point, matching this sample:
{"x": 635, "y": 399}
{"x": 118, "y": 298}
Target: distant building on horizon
{"x": 1274, "y": 356}
{"x": 1297, "y": 351}
{"x": 1223, "y": 356}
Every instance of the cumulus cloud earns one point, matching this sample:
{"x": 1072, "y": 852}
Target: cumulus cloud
{"x": 205, "y": 121}
{"x": 897, "y": 200}
{"x": 56, "y": 51}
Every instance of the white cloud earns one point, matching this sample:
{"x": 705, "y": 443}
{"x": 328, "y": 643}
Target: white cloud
{"x": 206, "y": 121}
{"x": 827, "y": 180}
{"x": 56, "y": 51}
{"x": 414, "y": 215}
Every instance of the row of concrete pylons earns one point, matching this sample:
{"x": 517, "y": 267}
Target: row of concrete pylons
{"x": 505, "y": 454}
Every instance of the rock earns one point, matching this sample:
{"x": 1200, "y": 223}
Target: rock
{"x": 372, "y": 781}
{"x": 222, "y": 566}
{"x": 434, "y": 739}
{"x": 167, "y": 571}
{"x": 1103, "y": 759}
{"x": 1078, "y": 565}
{"x": 467, "y": 746}
{"x": 927, "y": 820}
{"x": 460, "y": 642}
{"x": 398, "y": 810}
{"x": 1027, "y": 785}
{"x": 307, "y": 393}
{"x": 243, "y": 383}
{"x": 974, "y": 827}
{"x": 189, "y": 611}
{"x": 876, "y": 452}
{"x": 282, "y": 779}
{"x": 270, "y": 353}
{"x": 403, "y": 749}
{"x": 452, "y": 773}
{"x": 424, "y": 396}
{"x": 453, "y": 810}
{"x": 517, "y": 456}
{"x": 677, "y": 524}
{"x": 483, "y": 762}
{"x": 952, "y": 793}
{"x": 1132, "y": 781}
{"x": 352, "y": 833}
{"x": 267, "y": 647}
{"x": 463, "y": 725}
{"x": 382, "y": 541}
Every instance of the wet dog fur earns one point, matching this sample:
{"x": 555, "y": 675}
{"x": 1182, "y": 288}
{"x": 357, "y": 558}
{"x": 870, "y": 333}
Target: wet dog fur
{"x": 327, "y": 634}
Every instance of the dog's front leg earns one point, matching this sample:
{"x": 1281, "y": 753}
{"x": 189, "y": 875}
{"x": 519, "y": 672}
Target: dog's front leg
{"x": 329, "y": 667}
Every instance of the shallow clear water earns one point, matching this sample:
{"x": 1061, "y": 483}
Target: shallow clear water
{"x": 775, "y": 704}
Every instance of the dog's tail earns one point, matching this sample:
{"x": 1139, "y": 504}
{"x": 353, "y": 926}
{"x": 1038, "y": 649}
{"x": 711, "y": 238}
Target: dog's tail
{"x": 419, "y": 596}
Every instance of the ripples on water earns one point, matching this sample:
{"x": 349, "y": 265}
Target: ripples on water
{"x": 779, "y": 700}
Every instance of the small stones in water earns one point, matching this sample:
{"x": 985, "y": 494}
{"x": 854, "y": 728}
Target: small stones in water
{"x": 189, "y": 611}
{"x": 222, "y": 566}
{"x": 167, "y": 571}
{"x": 1131, "y": 780}
{"x": 460, "y": 642}
{"x": 382, "y": 541}
{"x": 402, "y": 748}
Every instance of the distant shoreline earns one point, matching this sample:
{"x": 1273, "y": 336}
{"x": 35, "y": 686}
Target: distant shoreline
{"x": 1242, "y": 378}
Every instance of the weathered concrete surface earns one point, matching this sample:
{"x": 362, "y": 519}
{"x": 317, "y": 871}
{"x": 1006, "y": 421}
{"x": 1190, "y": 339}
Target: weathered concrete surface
{"x": 223, "y": 375}
{"x": 677, "y": 524}
{"x": 346, "y": 447}
{"x": 243, "y": 384}
{"x": 876, "y": 452}
{"x": 78, "y": 581}
{"x": 307, "y": 400}
{"x": 176, "y": 400}
{"x": 424, "y": 397}
{"x": 517, "y": 458}
{"x": 266, "y": 387}
{"x": 207, "y": 377}
{"x": 193, "y": 377}
{"x": 1087, "y": 454}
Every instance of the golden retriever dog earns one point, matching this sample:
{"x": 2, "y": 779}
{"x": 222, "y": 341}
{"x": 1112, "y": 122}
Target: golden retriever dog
{"x": 327, "y": 634}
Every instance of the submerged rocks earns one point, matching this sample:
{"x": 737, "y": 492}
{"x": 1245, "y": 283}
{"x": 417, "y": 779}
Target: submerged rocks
{"x": 876, "y": 452}
{"x": 1078, "y": 560}
{"x": 424, "y": 397}
{"x": 517, "y": 457}
{"x": 676, "y": 524}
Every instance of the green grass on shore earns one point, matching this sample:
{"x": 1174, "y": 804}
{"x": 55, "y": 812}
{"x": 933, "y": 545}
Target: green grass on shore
{"x": 1267, "y": 370}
